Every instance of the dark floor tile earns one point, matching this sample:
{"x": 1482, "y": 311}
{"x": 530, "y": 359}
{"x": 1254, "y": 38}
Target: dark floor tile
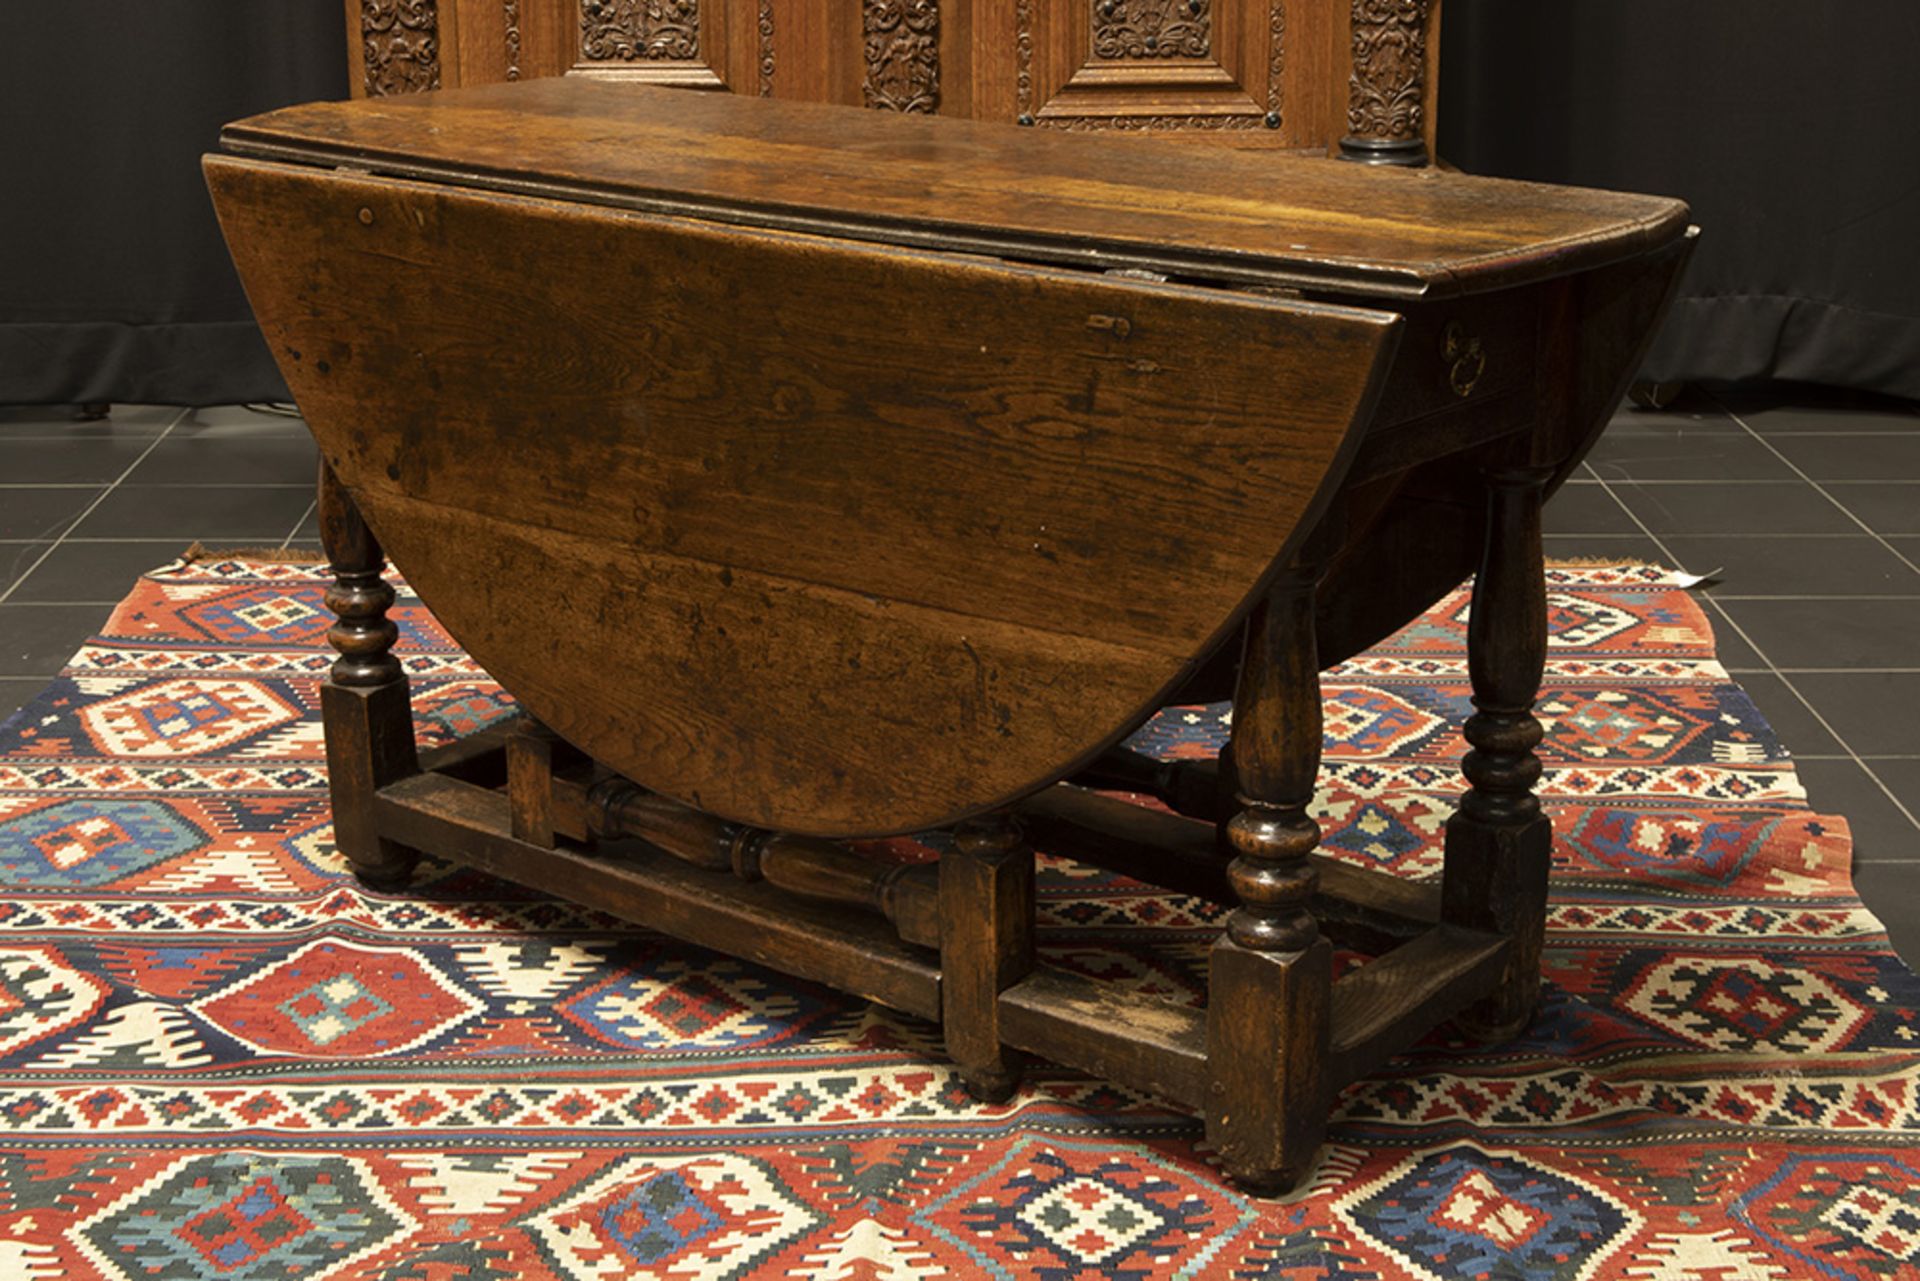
{"x": 18, "y": 559}
{"x": 1625, "y": 547}
{"x": 1734, "y": 509}
{"x": 42, "y": 513}
{"x": 1902, "y": 777}
{"x": 1693, "y": 407}
{"x": 211, "y": 515}
{"x": 17, "y": 691}
{"x": 1587, "y": 509}
{"x": 37, "y": 640}
{"x": 1798, "y": 729}
{"x": 1632, "y": 451}
{"x": 228, "y": 422}
{"x": 1837, "y": 456}
{"x": 76, "y": 571}
{"x": 309, "y": 528}
{"x": 1877, "y": 713}
{"x": 1732, "y": 649}
{"x": 1880, "y": 830}
{"x": 1809, "y": 409}
{"x": 238, "y": 460}
{"x": 58, "y": 421}
{"x": 1907, "y": 545}
{"x": 1787, "y": 565}
{"x": 1891, "y": 892}
{"x": 1831, "y": 633}
{"x": 67, "y": 462}
{"x": 1886, "y": 507}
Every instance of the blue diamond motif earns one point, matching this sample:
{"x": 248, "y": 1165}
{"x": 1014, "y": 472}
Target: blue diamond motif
{"x": 182, "y": 716}
{"x": 659, "y": 1219}
{"x": 91, "y": 842}
{"x": 244, "y": 1217}
{"x": 1464, "y": 1212}
{"x": 1376, "y": 833}
{"x": 330, "y": 1009}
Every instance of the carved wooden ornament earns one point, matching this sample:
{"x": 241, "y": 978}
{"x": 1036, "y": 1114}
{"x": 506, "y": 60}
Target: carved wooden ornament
{"x": 903, "y": 54}
{"x": 401, "y": 44}
{"x": 639, "y": 30}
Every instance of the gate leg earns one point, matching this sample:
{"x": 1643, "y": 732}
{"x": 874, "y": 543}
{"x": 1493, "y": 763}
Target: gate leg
{"x": 1271, "y": 975}
{"x": 1499, "y": 844}
{"x": 364, "y": 704}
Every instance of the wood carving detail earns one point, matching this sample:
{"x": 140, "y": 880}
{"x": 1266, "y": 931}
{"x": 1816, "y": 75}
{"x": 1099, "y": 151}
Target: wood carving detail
{"x": 1276, "y": 59}
{"x": 1077, "y": 124}
{"x": 903, "y": 54}
{"x": 511, "y": 10}
{"x": 640, "y": 30}
{"x": 766, "y": 48}
{"x": 401, "y": 44}
{"x": 1152, "y": 29}
{"x": 1389, "y": 69}
{"x": 1023, "y": 59}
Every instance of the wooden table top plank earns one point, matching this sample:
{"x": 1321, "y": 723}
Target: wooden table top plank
{"x": 1086, "y": 200}
{"x": 824, "y": 536}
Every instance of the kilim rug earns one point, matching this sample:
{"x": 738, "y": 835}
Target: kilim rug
{"x": 219, "y": 1058}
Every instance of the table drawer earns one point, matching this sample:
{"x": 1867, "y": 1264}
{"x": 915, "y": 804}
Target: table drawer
{"x": 1460, "y": 352}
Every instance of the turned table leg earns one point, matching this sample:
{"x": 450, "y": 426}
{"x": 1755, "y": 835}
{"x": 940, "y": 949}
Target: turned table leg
{"x": 1499, "y": 844}
{"x": 369, "y": 720}
{"x": 1271, "y": 972}
{"x": 986, "y": 946}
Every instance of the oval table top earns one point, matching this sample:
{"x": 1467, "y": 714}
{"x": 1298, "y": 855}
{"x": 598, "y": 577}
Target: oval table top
{"x": 1084, "y": 200}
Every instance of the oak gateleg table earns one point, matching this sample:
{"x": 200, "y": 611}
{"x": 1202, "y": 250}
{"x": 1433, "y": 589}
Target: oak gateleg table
{"x": 810, "y": 474}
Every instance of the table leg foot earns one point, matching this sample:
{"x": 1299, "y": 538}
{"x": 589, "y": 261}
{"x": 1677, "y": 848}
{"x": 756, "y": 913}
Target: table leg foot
{"x": 991, "y": 1085}
{"x": 1270, "y": 977}
{"x": 1267, "y": 1033}
{"x": 986, "y": 946}
{"x": 1498, "y": 881}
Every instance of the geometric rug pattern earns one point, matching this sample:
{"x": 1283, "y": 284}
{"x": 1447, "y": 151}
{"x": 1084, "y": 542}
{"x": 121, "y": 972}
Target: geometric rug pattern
{"x": 221, "y": 1058}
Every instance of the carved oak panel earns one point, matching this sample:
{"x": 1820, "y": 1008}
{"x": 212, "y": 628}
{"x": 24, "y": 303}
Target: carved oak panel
{"x": 1292, "y": 74}
{"x": 400, "y": 46}
{"x": 681, "y": 42}
{"x": 1136, "y": 29}
{"x": 1151, "y": 64}
{"x": 639, "y": 30}
{"x": 902, "y": 54}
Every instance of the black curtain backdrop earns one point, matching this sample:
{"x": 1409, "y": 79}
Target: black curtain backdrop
{"x": 1789, "y": 127}
{"x": 114, "y": 283}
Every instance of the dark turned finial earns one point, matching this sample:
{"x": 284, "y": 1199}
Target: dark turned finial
{"x": 1272, "y": 878}
{"x": 362, "y": 633}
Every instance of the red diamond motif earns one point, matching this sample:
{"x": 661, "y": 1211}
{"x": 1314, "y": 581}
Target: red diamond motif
{"x": 1476, "y": 1205}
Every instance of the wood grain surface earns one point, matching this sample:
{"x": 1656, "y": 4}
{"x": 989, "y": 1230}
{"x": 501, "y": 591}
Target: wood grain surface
{"x": 1085, "y": 200}
{"x": 822, "y": 537}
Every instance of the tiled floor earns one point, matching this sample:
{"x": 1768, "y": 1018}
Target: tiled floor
{"x": 1805, "y": 511}
{"x": 85, "y": 507}
{"x": 1804, "y": 508}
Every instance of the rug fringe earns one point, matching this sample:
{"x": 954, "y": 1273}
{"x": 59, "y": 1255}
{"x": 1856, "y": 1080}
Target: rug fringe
{"x": 266, "y": 555}
{"x": 1589, "y": 562}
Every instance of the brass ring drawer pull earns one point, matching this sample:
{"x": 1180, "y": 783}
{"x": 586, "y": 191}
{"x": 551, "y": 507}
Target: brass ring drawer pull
{"x": 1466, "y": 358}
